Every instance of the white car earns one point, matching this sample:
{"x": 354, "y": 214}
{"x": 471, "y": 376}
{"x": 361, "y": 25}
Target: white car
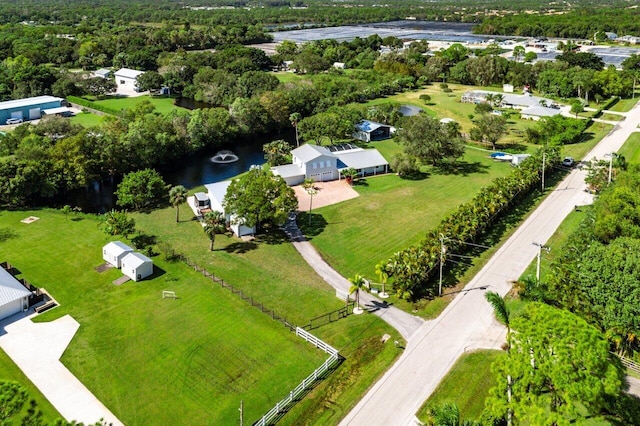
{"x": 14, "y": 120}
{"x": 568, "y": 162}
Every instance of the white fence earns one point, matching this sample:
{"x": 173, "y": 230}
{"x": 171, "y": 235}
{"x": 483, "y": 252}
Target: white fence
{"x": 284, "y": 404}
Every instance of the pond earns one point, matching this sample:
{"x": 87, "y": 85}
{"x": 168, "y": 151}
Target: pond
{"x": 191, "y": 171}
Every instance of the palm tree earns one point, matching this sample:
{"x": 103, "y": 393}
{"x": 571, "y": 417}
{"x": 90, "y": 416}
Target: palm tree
{"x": 383, "y": 275}
{"x": 357, "y": 284}
{"x": 501, "y": 312}
{"x": 446, "y": 414}
{"x": 214, "y": 223}
{"x": 177, "y": 196}
{"x": 309, "y": 187}
{"x": 295, "y": 119}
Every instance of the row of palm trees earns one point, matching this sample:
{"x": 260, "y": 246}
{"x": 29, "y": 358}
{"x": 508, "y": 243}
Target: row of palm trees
{"x": 412, "y": 269}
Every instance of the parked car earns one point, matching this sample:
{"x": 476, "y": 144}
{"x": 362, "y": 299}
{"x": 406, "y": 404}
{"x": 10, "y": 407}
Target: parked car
{"x": 568, "y": 162}
{"x": 14, "y": 120}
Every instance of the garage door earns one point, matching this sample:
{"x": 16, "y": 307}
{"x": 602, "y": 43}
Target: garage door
{"x": 10, "y": 308}
{"x": 34, "y": 114}
{"x": 16, "y": 114}
{"x": 327, "y": 176}
{"x": 316, "y": 177}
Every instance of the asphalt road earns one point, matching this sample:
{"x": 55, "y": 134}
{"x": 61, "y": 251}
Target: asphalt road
{"x": 468, "y": 322}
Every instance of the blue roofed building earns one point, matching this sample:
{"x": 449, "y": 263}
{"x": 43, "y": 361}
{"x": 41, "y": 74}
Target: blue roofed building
{"x": 28, "y": 108}
{"x": 369, "y": 131}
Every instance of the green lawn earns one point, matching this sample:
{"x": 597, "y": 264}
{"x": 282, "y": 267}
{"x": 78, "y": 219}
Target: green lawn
{"x": 594, "y": 134}
{"x": 10, "y": 372}
{"x": 392, "y": 213}
{"x": 286, "y": 76}
{"x": 631, "y": 149}
{"x": 467, "y": 384}
{"x": 611, "y": 117}
{"x": 624, "y": 105}
{"x": 163, "y": 104}
{"x": 87, "y": 119}
{"x": 152, "y": 360}
{"x": 270, "y": 270}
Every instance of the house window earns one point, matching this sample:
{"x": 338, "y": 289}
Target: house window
{"x": 328, "y": 163}
{"x": 314, "y": 166}
{"x": 122, "y": 82}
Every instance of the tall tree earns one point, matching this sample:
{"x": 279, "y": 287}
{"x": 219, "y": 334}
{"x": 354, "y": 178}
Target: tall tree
{"x": 357, "y": 284}
{"x": 556, "y": 362}
{"x": 489, "y": 129}
{"x": 295, "y": 118}
{"x": 214, "y": 223}
{"x": 259, "y": 197}
{"x": 177, "y": 196}
{"x": 430, "y": 141}
{"x": 140, "y": 189}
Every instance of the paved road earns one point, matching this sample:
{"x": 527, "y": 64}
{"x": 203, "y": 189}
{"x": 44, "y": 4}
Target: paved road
{"x": 405, "y": 323}
{"x": 468, "y": 322}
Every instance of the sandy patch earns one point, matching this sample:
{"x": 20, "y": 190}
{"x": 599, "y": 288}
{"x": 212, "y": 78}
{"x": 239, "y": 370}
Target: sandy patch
{"x": 327, "y": 193}
{"x": 30, "y": 219}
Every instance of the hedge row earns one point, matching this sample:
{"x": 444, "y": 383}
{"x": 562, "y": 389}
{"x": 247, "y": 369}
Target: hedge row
{"x": 89, "y": 104}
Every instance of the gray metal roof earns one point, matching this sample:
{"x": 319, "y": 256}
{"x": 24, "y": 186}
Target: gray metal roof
{"x": 369, "y": 126}
{"x": 135, "y": 259}
{"x": 540, "y": 111}
{"x": 58, "y": 110}
{"x": 27, "y": 102}
{"x": 288, "y": 170}
{"x": 308, "y": 152}
{"x": 201, "y": 196}
{"x": 10, "y": 288}
{"x": 362, "y": 158}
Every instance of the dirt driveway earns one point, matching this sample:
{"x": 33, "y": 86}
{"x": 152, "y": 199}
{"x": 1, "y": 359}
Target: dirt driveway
{"x": 328, "y": 193}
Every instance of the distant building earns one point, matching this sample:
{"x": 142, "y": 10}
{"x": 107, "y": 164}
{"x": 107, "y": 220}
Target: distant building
{"x": 14, "y": 297}
{"x": 28, "y": 108}
{"x": 102, "y": 73}
{"x": 339, "y": 65}
{"x": 611, "y": 36}
{"x": 537, "y": 112}
{"x": 217, "y": 193}
{"x": 137, "y": 266}
{"x": 628, "y": 39}
{"x": 368, "y": 131}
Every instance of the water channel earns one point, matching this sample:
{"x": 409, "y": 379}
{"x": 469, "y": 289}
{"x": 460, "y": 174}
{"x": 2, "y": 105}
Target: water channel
{"x": 191, "y": 171}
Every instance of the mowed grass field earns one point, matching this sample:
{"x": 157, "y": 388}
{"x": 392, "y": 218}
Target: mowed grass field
{"x": 467, "y": 385}
{"x": 392, "y": 213}
{"x": 155, "y": 361}
{"x": 163, "y": 104}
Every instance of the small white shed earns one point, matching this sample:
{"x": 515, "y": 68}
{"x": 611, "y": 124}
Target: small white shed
{"x": 14, "y": 297}
{"x": 137, "y": 266}
{"x": 114, "y": 252}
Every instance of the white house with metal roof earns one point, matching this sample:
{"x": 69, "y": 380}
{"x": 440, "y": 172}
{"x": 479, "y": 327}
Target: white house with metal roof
{"x": 321, "y": 164}
{"x": 216, "y": 193}
{"x": 28, "y": 108}
{"x": 137, "y": 266}
{"x": 14, "y": 297}
{"x": 114, "y": 252}
{"x": 126, "y": 80}
{"x": 509, "y": 100}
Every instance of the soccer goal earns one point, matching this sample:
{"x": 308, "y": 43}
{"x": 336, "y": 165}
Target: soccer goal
{"x": 168, "y": 294}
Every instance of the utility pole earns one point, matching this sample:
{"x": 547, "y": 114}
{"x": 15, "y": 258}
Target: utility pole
{"x": 443, "y": 250}
{"x": 540, "y": 248}
{"x": 613, "y": 154}
{"x": 241, "y": 412}
{"x": 544, "y": 158}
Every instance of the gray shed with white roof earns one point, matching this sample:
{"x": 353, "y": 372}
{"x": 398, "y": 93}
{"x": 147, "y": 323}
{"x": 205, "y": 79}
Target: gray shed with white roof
{"x": 14, "y": 297}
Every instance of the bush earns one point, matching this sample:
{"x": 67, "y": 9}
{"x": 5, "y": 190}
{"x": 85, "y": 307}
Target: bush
{"x": 444, "y": 86}
{"x": 404, "y": 165}
{"x": 425, "y": 98}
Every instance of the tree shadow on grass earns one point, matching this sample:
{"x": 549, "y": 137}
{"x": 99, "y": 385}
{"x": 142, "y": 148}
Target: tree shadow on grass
{"x": 271, "y": 236}
{"x": 463, "y": 168}
{"x": 240, "y": 247}
{"x": 6, "y": 234}
{"x": 415, "y": 176}
{"x": 317, "y": 227}
{"x": 157, "y": 273}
